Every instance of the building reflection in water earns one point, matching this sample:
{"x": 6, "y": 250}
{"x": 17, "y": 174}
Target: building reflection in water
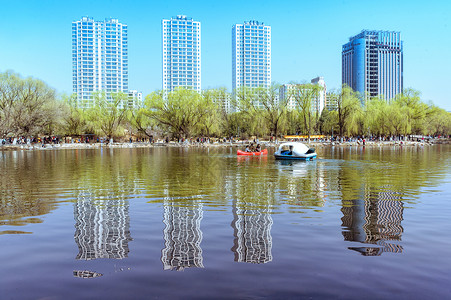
{"x": 182, "y": 236}
{"x": 102, "y": 228}
{"x": 86, "y": 274}
{"x": 252, "y": 233}
{"x": 375, "y": 220}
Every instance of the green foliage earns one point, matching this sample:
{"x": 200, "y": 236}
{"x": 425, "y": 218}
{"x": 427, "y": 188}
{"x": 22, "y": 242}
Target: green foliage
{"x": 212, "y": 101}
{"x": 27, "y": 106}
{"x": 327, "y": 122}
{"x": 184, "y": 112}
{"x": 108, "y": 114}
{"x": 139, "y": 120}
{"x": 263, "y": 108}
{"x": 349, "y": 110}
{"x": 304, "y": 95}
{"x": 75, "y": 119}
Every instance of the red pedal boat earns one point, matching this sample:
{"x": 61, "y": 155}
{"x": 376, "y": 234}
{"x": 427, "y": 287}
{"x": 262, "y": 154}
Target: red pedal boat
{"x": 263, "y": 152}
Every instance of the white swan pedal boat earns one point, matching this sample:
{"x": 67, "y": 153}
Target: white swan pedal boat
{"x": 295, "y": 150}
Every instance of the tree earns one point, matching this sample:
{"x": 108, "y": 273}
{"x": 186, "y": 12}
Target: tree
{"x": 212, "y": 100}
{"x": 415, "y": 110}
{"x": 328, "y": 121}
{"x": 108, "y": 112}
{"x": 438, "y": 121}
{"x": 138, "y": 118}
{"x": 376, "y": 116}
{"x": 264, "y": 103}
{"x": 181, "y": 113}
{"x": 304, "y": 95}
{"x": 27, "y": 106}
{"x": 348, "y": 109}
{"x": 74, "y": 119}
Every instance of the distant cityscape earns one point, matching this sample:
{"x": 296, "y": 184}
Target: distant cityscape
{"x": 372, "y": 61}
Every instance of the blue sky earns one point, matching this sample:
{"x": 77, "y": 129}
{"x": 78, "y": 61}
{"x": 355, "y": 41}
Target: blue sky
{"x": 35, "y": 38}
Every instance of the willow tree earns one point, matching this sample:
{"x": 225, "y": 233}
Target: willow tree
{"x": 397, "y": 123}
{"x": 438, "y": 121}
{"x": 262, "y": 103}
{"x": 305, "y": 95}
{"x": 140, "y": 121}
{"x": 27, "y": 106}
{"x": 376, "y": 116}
{"x": 328, "y": 121}
{"x": 109, "y": 112}
{"x": 180, "y": 111}
{"x": 74, "y": 117}
{"x": 213, "y": 101}
{"x": 416, "y": 110}
{"x": 349, "y": 110}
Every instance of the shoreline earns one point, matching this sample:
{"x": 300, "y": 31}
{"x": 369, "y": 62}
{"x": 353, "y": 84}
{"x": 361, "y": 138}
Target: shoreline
{"x": 266, "y": 144}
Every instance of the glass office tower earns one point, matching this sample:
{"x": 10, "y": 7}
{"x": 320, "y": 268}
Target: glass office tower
{"x": 372, "y": 63}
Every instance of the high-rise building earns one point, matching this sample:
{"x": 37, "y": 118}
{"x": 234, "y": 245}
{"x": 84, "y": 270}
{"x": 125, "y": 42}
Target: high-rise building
{"x": 331, "y": 101}
{"x": 99, "y": 58}
{"x": 251, "y": 55}
{"x": 372, "y": 63}
{"x": 135, "y": 99}
{"x": 181, "y": 54}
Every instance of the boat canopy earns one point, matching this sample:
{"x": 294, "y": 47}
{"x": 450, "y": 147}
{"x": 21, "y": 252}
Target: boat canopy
{"x": 295, "y": 147}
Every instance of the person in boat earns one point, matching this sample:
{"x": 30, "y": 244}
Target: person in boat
{"x": 247, "y": 149}
{"x": 258, "y": 148}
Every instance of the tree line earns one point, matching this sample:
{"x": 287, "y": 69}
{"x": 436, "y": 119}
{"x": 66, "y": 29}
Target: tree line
{"x": 29, "y": 107}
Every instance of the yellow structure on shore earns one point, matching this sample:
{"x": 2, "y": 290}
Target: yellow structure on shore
{"x": 317, "y": 136}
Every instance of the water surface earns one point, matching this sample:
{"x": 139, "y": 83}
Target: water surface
{"x": 203, "y": 223}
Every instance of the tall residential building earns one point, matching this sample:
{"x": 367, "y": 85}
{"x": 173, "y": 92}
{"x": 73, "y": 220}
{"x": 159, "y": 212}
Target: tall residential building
{"x": 135, "y": 99}
{"x": 318, "y": 101}
{"x": 331, "y": 101}
{"x": 251, "y": 55}
{"x": 99, "y": 57}
{"x": 181, "y": 54}
{"x": 372, "y": 63}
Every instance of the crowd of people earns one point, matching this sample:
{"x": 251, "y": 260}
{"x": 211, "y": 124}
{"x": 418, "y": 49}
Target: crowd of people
{"x": 30, "y": 140}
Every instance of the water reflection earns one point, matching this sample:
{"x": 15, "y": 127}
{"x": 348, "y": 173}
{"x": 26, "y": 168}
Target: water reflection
{"x": 253, "y": 196}
{"x": 26, "y": 190}
{"x": 252, "y": 233}
{"x": 182, "y": 236}
{"x": 302, "y": 184}
{"x": 376, "y": 220}
{"x": 86, "y": 274}
{"x": 102, "y": 227}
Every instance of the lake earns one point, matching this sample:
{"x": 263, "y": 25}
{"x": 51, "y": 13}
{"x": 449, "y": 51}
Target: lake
{"x": 202, "y": 223}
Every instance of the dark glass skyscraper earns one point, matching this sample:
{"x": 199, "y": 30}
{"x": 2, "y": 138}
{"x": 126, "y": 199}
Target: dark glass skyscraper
{"x": 372, "y": 63}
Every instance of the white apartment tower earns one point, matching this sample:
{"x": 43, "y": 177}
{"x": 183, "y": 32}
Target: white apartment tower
{"x": 181, "y": 54}
{"x": 251, "y": 55}
{"x": 99, "y": 57}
